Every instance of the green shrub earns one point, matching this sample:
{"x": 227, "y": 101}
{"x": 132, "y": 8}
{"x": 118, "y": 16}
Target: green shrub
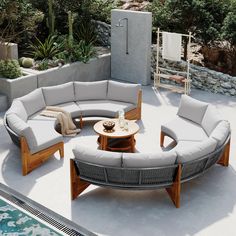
{"x": 10, "y": 69}
{"x": 203, "y": 18}
{"x": 77, "y": 51}
{"x": 43, "y": 65}
{"x": 47, "y": 49}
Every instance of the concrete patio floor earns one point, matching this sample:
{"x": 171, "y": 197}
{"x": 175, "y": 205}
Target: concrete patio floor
{"x": 208, "y": 203}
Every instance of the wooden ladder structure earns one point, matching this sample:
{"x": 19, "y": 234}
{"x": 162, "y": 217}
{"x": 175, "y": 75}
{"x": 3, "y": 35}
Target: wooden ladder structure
{"x": 173, "y": 75}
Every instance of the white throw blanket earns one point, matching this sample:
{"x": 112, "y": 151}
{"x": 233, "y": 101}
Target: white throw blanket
{"x": 172, "y": 44}
{"x": 68, "y": 128}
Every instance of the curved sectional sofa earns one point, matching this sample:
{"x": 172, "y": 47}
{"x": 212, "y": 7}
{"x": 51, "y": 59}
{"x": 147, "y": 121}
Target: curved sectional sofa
{"x": 36, "y": 134}
{"x": 201, "y": 139}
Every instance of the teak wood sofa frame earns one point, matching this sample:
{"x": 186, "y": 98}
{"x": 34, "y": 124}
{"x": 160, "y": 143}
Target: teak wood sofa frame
{"x": 32, "y": 161}
{"x": 83, "y": 174}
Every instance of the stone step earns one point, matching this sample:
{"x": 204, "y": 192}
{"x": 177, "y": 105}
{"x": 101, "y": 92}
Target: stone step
{"x": 3, "y": 102}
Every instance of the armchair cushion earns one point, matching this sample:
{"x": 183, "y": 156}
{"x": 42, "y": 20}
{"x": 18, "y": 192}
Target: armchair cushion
{"x": 123, "y": 92}
{"x": 192, "y": 109}
{"x": 145, "y": 160}
{"x": 103, "y": 108}
{"x": 181, "y": 129}
{"x": 95, "y": 156}
{"x": 45, "y": 135}
{"x": 18, "y": 108}
{"x": 189, "y": 151}
{"x": 210, "y": 119}
{"x": 21, "y": 128}
{"x": 90, "y": 90}
{"x": 33, "y": 102}
{"x": 221, "y": 132}
{"x": 59, "y": 94}
{"x": 72, "y": 108}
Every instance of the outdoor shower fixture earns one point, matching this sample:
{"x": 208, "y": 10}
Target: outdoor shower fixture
{"x": 127, "y": 32}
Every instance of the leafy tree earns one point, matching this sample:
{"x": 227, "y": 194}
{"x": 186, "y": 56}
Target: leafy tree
{"x": 229, "y": 34}
{"x": 203, "y": 18}
{"x": 18, "y": 20}
{"x": 86, "y": 10}
{"x": 229, "y": 28}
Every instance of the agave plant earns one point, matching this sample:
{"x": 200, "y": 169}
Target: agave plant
{"x": 86, "y": 31}
{"x": 47, "y": 49}
{"x": 84, "y": 51}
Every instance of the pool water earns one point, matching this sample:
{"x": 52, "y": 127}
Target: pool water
{"x": 14, "y": 222}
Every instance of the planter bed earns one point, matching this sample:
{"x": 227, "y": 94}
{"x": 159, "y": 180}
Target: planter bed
{"x": 96, "y": 69}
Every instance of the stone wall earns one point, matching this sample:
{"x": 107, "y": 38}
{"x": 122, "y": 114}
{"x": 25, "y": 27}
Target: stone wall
{"x": 103, "y": 32}
{"x": 202, "y": 78}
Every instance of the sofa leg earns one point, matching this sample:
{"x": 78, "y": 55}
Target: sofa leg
{"x": 175, "y": 189}
{"x": 162, "y": 139}
{"x": 32, "y": 161}
{"x": 81, "y": 122}
{"x": 24, "y": 156}
{"x": 224, "y": 160}
{"x": 77, "y": 185}
{"x": 61, "y": 151}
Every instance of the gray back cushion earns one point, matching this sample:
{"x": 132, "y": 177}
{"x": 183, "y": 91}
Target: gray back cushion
{"x": 189, "y": 153}
{"x": 90, "y": 90}
{"x": 59, "y": 94}
{"x": 145, "y": 160}
{"x": 192, "y": 109}
{"x": 221, "y": 132}
{"x": 21, "y": 128}
{"x": 95, "y": 156}
{"x": 18, "y": 108}
{"x": 210, "y": 119}
{"x": 33, "y": 102}
{"x": 123, "y": 92}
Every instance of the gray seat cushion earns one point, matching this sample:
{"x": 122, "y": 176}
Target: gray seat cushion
{"x": 210, "y": 119}
{"x": 182, "y": 129}
{"x": 190, "y": 151}
{"x": 59, "y": 94}
{"x": 192, "y": 109}
{"x": 103, "y": 108}
{"x": 45, "y": 135}
{"x": 38, "y": 117}
{"x": 33, "y": 102}
{"x": 221, "y": 132}
{"x": 99, "y": 157}
{"x": 123, "y": 92}
{"x": 90, "y": 90}
{"x": 22, "y": 129}
{"x": 72, "y": 108}
{"x": 145, "y": 160}
{"x": 18, "y": 108}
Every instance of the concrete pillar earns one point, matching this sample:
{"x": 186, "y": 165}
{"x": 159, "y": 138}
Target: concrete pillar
{"x": 8, "y": 48}
{"x": 131, "y": 56}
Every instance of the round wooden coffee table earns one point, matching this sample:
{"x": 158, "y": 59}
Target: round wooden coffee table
{"x": 119, "y": 139}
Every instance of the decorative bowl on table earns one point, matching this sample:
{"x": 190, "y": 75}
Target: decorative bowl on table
{"x": 108, "y": 125}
